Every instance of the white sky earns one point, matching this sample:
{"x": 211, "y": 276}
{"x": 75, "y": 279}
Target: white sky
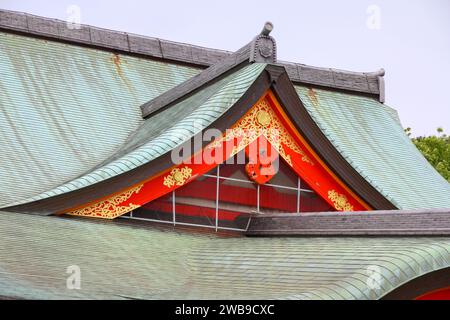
{"x": 412, "y": 44}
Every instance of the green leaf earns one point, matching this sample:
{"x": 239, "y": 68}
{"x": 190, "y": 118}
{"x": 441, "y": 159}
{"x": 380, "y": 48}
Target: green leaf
{"x": 436, "y": 149}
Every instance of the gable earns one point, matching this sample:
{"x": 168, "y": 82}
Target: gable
{"x": 263, "y": 131}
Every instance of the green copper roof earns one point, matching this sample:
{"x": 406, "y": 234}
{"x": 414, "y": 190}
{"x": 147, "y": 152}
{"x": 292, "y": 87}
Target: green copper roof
{"x": 369, "y": 135}
{"x": 118, "y": 260}
{"x": 167, "y": 130}
{"x": 67, "y": 108}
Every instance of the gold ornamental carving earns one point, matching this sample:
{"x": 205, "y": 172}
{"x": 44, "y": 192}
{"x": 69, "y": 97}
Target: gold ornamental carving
{"x": 109, "y": 208}
{"x": 178, "y": 177}
{"x": 340, "y": 201}
{"x": 262, "y": 120}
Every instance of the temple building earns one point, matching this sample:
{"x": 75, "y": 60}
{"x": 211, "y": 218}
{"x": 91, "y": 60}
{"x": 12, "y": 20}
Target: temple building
{"x": 169, "y": 171}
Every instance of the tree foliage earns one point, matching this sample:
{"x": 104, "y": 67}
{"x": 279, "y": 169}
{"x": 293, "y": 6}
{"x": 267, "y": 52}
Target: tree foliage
{"x": 436, "y": 150}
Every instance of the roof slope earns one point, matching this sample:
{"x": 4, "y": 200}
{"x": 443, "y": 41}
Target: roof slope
{"x": 120, "y": 261}
{"x": 165, "y": 131}
{"x": 366, "y": 82}
{"x": 369, "y": 135}
{"x": 66, "y": 108}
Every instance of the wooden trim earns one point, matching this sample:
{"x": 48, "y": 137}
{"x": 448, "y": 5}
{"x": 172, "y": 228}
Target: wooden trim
{"x": 393, "y": 223}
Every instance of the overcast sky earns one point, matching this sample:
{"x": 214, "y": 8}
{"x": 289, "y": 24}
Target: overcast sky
{"x": 408, "y": 38}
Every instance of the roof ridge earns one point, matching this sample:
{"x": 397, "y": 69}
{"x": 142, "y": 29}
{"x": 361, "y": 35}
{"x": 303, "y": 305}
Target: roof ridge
{"x": 262, "y": 49}
{"x": 361, "y": 82}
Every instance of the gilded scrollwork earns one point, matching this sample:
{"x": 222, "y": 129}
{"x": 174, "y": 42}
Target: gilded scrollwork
{"x": 262, "y": 120}
{"x": 110, "y": 208}
{"x": 340, "y": 201}
{"x": 177, "y": 176}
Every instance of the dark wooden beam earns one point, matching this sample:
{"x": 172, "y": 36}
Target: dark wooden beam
{"x": 376, "y": 223}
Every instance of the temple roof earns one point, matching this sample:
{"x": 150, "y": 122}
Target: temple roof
{"x": 72, "y": 115}
{"x": 128, "y": 261}
{"x": 86, "y": 113}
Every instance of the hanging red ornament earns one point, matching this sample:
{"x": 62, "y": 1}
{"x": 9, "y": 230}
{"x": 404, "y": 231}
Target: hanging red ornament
{"x": 260, "y": 168}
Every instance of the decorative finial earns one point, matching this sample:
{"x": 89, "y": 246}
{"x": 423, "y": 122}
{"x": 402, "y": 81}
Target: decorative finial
{"x": 268, "y": 27}
{"x": 263, "y": 47}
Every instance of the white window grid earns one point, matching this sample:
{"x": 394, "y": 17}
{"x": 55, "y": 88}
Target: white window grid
{"x": 216, "y": 227}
